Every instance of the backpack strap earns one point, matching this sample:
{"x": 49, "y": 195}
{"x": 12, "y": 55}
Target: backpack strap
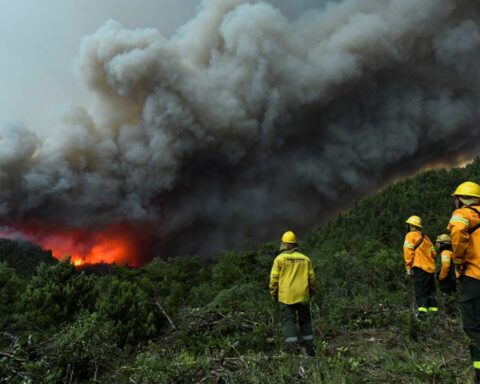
{"x": 419, "y": 243}
{"x": 475, "y": 227}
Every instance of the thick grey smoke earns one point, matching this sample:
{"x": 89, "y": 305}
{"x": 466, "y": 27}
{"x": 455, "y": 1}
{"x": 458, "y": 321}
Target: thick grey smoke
{"x": 248, "y": 122}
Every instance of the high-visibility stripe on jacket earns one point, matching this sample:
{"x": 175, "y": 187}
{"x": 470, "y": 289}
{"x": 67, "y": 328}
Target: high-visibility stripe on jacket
{"x": 292, "y": 277}
{"x": 466, "y": 247}
{"x": 423, "y": 256}
{"x": 446, "y": 260}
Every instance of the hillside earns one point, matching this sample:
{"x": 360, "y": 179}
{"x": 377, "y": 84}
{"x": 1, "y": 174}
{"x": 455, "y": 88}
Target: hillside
{"x": 24, "y": 257}
{"x": 182, "y": 320}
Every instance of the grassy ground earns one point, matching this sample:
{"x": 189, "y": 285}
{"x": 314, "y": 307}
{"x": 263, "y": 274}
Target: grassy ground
{"x": 409, "y": 351}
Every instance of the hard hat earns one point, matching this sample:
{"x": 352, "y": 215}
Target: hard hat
{"x": 468, "y": 188}
{"x": 444, "y": 238}
{"x": 414, "y": 220}
{"x": 289, "y": 237}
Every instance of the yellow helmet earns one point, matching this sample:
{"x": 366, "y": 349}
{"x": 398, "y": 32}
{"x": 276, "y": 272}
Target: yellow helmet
{"x": 414, "y": 220}
{"x": 468, "y": 188}
{"x": 444, "y": 238}
{"x": 289, "y": 237}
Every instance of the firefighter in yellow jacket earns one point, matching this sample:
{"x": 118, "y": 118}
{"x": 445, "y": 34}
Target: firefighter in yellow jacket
{"x": 292, "y": 281}
{"x": 445, "y": 272}
{"x": 419, "y": 255}
{"x": 464, "y": 230}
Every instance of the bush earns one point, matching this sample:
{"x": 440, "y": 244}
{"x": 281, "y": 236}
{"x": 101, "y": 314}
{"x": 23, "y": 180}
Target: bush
{"x": 86, "y": 347}
{"x": 171, "y": 281}
{"x": 128, "y": 308}
{"x": 11, "y": 287}
{"x": 249, "y": 297}
{"x": 55, "y": 295}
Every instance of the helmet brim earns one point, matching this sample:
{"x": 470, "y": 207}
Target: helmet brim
{"x": 464, "y": 195}
{"x": 414, "y": 225}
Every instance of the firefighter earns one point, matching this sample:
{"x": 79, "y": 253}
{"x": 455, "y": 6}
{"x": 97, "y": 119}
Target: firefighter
{"x": 292, "y": 281}
{"x": 445, "y": 272}
{"x": 463, "y": 227}
{"x": 419, "y": 255}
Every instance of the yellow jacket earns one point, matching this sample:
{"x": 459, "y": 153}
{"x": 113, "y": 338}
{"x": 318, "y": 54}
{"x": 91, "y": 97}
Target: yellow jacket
{"x": 423, "y": 256}
{"x": 292, "y": 277}
{"x": 446, "y": 259}
{"x": 466, "y": 247}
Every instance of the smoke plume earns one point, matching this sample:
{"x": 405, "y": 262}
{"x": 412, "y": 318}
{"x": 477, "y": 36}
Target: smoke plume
{"x": 248, "y": 122}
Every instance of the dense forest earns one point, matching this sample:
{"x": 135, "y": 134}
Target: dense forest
{"x": 184, "y": 320}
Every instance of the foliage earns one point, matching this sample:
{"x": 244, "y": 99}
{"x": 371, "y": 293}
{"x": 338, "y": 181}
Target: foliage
{"x": 240, "y": 298}
{"x": 86, "y": 346}
{"x": 24, "y": 257}
{"x": 11, "y": 286}
{"x": 185, "y": 320}
{"x": 171, "y": 280}
{"x": 55, "y": 294}
{"x": 128, "y": 308}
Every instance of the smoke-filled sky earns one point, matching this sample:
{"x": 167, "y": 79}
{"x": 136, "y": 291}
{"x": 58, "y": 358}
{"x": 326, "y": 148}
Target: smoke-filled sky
{"x": 40, "y": 39}
{"x": 215, "y": 122}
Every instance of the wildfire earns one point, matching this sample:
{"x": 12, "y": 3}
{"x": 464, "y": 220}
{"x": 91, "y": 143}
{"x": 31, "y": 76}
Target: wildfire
{"x": 117, "y": 244}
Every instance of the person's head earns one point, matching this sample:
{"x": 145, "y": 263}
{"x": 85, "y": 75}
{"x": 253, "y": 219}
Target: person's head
{"x": 443, "y": 240}
{"x": 289, "y": 241}
{"x": 466, "y": 194}
{"x": 414, "y": 223}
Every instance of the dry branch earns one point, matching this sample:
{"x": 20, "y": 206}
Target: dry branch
{"x": 166, "y": 315}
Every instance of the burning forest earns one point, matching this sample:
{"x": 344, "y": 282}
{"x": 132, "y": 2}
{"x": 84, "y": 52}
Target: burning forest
{"x": 113, "y": 245}
{"x": 245, "y": 122}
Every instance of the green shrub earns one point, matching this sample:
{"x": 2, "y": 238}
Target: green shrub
{"x": 128, "y": 308}
{"x": 55, "y": 294}
{"x": 170, "y": 281}
{"x": 86, "y": 346}
{"x": 11, "y": 287}
{"x": 248, "y": 297}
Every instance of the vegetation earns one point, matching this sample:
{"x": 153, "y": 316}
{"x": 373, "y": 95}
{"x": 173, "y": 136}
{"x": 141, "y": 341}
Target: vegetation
{"x": 183, "y": 320}
{"x": 24, "y": 257}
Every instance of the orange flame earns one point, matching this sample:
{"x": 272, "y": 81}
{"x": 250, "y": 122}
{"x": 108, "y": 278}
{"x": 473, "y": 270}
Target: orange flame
{"x": 102, "y": 247}
{"x": 113, "y": 245}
